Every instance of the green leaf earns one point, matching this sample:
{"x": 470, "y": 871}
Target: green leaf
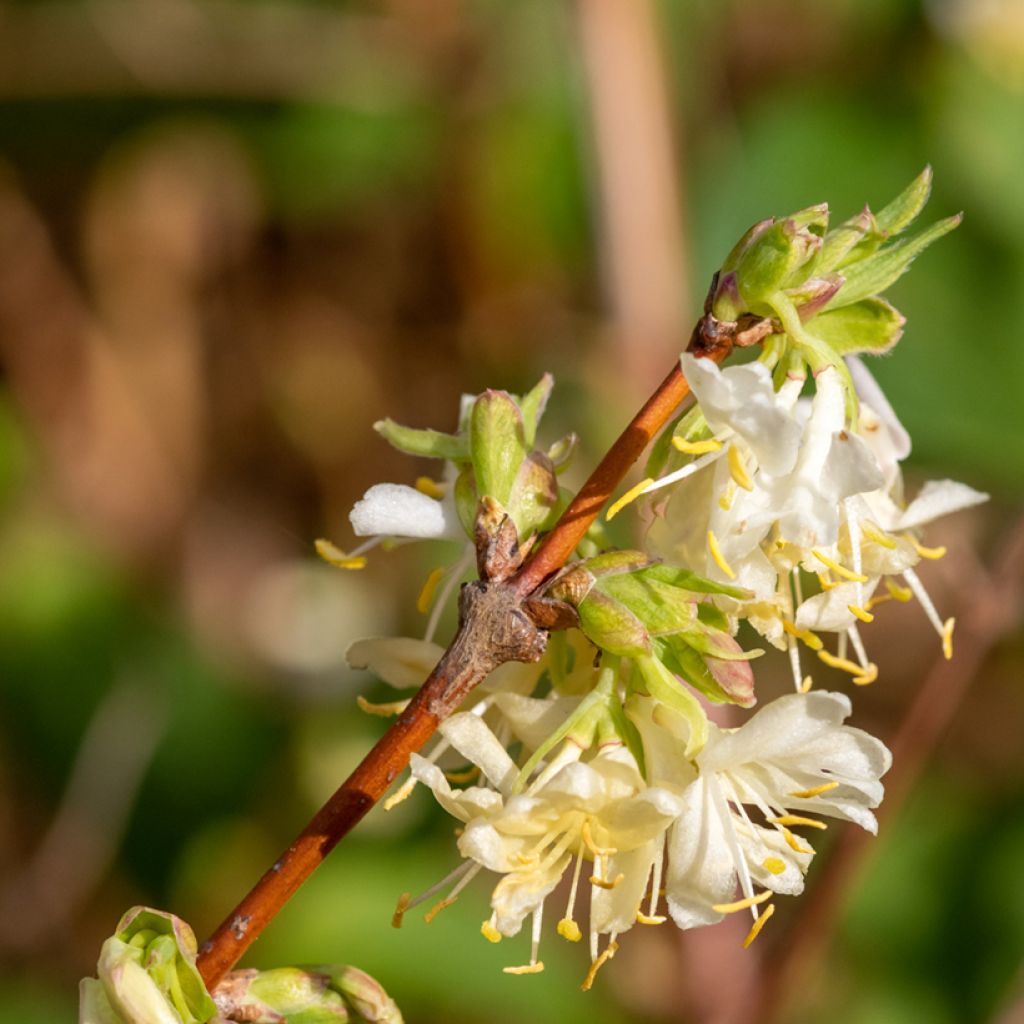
{"x": 497, "y": 444}
{"x": 870, "y": 325}
{"x": 904, "y": 209}
{"x": 613, "y": 563}
{"x": 873, "y": 275}
{"x": 429, "y": 444}
{"x": 533, "y": 404}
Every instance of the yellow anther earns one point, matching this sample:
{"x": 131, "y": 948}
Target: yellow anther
{"x": 588, "y": 839}
{"x": 332, "y": 554}
{"x": 824, "y": 582}
{"x": 761, "y": 921}
{"x": 436, "y": 909}
{"x": 867, "y": 676}
{"x": 793, "y": 843}
{"x": 841, "y": 663}
{"x": 460, "y": 777}
{"x": 696, "y": 447}
{"x": 489, "y": 932}
{"x": 806, "y": 794}
{"x": 399, "y": 795}
{"x": 899, "y": 593}
{"x": 878, "y": 599}
{"x": 610, "y": 950}
{"x": 604, "y": 883}
{"x": 725, "y": 500}
{"x": 811, "y": 639}
{"x": 947, "y": 637}
{"x": 738, "y": 470}
{"x": 527, "y": 859}
{"x": 716, "y": 554}
{"x": 394, "y": 707}
{"x": 877, "y": 537}
{"x": 774, "y": 864}
{"x": 642, "y": 918}
{"x": 431, "y": 488}
{"x": 839, "y": 570}
{"x": 631, "y": 495}
{"x": 569, "y": 929}
{"x": 861, "y": 613}
{"x": 805, "y": 686}
{"x": 746, "y": 904}
{"x": 526, "y": 968}
{"x": 426, "y": 598}
{"x": 798, "y": 819}
{"x": 933, "y": 553}
{"x": 400, "y": 908}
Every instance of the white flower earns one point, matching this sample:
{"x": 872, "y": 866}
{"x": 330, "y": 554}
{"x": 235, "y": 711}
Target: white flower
{"x": 598, "y": 810}
{"x": 754, "y": 784}
{"x": 400, "y": 511}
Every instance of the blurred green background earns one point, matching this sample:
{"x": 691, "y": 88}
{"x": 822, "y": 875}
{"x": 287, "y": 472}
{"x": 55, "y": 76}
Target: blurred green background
{"x": 234, "y": 234}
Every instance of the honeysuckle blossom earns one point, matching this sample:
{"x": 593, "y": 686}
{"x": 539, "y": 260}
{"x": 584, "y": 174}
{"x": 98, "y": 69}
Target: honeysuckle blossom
{"x": 754, "y": 785}
{"x": 600, "y": 811}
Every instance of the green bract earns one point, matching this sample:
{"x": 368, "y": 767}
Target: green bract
{"x": 822, "y": 288}
{"x": 636, "y": 608}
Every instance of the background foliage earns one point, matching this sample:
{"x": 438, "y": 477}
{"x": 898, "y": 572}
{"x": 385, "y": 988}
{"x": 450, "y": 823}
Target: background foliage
{"x": 232, "y": 235}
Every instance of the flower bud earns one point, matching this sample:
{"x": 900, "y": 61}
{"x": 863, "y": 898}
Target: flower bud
{"x": 294, "y": 995}
{"x": 147, "y": 975}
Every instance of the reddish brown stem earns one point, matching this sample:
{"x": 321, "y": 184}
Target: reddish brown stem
{"x": 472, "y": 654}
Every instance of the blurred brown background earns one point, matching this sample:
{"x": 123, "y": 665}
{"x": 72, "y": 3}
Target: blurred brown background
{"x": 233, "y": 234}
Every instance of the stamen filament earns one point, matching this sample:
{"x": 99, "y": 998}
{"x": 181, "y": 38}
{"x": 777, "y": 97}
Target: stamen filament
{"x": 738, "y": 470}
{"x": 761, "y": 921}
{"x": 877, "y": 536}
{"x": 385, "y": 710}
{"x": 696, "y": 447}
{"x": 744, "y": 904}
{"x": 716, "y": 554}
{"x": 806, "y": 794}
{"x": 797, "y": 819}
{"x": 610, "y": 950}
{"x": 811, "y": 639}
{"x": 933, "y": 554}
{"x": 426, "y": 597}
{"x": 431, "y": 488}
{"x": 839, "y": 570}
{"x": 631, "y": 495}
{"x": 402, "y": 793}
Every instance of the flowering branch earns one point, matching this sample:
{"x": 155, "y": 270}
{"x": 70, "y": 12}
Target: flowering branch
{"x": 494, "y": 628}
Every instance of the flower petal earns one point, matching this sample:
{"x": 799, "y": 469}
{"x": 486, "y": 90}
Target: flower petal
{"x": 396, "y": 510}
{"x": 400, "y": 661}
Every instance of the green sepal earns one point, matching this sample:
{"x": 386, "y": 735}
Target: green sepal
{"x": 711, "y": 616}
{"x": 660, "y": 606}
{"x": 870, "y": 325}
{"x": 611, "y": 626}
{"x": 770, "y": 264}
{"x": 904, "y": 209}
{"x": 663, "y": 686}
{"x": 689, "y": 663}
{"x": 428, "y": 444}
{"x": 534, "y": 497}
{"x": 591, "y": 717}
{"x": 684, "y": 579}
{"x": 466, "y": 500}
{"x": 497, "y": 444}
{"x": 875, "y": 273}
{"x": 532, "y": 406}
{"x": 842, "y": 242}
{"x": 563, "y": 451}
